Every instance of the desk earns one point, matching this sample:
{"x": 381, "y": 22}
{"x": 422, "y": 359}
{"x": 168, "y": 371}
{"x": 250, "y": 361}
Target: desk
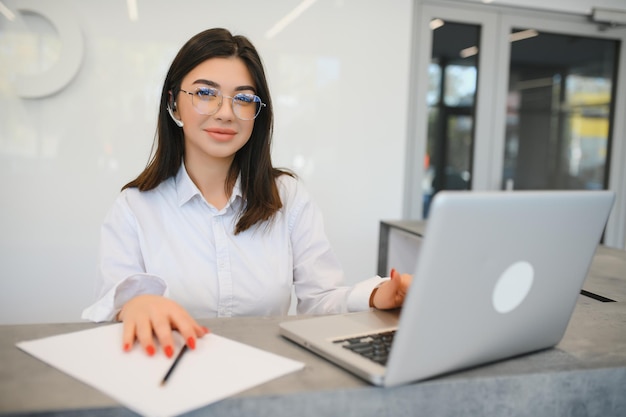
{"x": 585, "y": 375}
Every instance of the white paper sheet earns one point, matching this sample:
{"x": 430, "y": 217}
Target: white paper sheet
{"x": 216, "y": 369}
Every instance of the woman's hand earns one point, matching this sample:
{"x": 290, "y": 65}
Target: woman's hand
{"x": 391, "y": 293}
{"x": 146, "y": 316}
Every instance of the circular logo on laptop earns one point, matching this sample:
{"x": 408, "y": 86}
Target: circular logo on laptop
{"x": 513, "y": 286}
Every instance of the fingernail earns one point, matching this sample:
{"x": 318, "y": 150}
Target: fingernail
{"x": 126, "y": 347}
{"x": 150, "y": 350}
{"x": 206, "y": 330}
{"x": 191, "y": 342}
{"x": 392, "y": 273}
{"x": 169, "y": 351}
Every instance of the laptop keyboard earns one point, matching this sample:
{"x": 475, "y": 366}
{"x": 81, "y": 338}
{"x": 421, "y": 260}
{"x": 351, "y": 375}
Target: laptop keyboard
{"x": 375, "y": 346}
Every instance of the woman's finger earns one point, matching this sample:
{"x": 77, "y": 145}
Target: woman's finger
{"x": 143, "y": 332}
{"x": 162, "y": 328}
{"x": 128, "y": 335}
{"x": 187, "y": 327}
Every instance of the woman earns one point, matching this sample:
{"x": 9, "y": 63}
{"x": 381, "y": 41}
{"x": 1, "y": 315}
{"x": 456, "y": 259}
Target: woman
{"x": 210, "y": 227}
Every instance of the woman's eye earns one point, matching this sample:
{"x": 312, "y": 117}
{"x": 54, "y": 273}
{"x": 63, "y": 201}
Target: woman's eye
{"x": 245, "y": 98}
{"x": 206, "y": 93}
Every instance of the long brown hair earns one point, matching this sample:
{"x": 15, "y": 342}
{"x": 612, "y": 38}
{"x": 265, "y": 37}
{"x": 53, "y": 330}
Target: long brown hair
{"x": 252, "y": 162}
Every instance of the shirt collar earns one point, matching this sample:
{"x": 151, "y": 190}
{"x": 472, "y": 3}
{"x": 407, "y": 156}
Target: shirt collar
{"x": 186, "y": 189}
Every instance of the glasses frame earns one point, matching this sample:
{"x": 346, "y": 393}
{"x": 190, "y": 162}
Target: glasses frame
{"x": 221, "y": 96}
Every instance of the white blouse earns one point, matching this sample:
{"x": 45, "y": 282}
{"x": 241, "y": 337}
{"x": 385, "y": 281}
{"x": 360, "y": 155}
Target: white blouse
{"x": 170, "y": 241}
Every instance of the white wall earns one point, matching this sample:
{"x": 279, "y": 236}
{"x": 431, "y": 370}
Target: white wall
{"x": 339, "y": 79}
{"x": 339, "y": 75}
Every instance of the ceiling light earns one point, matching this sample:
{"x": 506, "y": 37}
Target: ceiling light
{"x": 133, "y": 11}
{"x": 467, "y": 52}
{"x": 524, "y": 34}
{"x": 290, "y": 17}
{"x": 436, "y": 24}
{"x": 6, "y": 12}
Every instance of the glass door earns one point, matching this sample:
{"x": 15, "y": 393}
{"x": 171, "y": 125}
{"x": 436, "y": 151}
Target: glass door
{"x": 516, "y": 101}
{"x": 559, "y": 111}
{"x": 452, "y": 82}
{"x": 560, "y": 108}
{"x": 453, "y": 57}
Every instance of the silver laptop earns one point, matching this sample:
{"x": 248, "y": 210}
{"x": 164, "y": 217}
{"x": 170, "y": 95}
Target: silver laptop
{"x": 498, "y": 275}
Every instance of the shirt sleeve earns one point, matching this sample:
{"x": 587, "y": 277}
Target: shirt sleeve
{"x": 318, "y": 275}
{"x": 121, "y": 274}
{"x": 359, "y": 297}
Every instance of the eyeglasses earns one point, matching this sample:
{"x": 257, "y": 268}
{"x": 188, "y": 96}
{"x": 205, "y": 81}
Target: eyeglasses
{"x": 207, "y": 100}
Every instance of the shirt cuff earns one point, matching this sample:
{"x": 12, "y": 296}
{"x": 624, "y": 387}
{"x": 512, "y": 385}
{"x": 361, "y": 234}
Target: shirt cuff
{"x": 359, "y": 297}
{"x": 107, "y": 307}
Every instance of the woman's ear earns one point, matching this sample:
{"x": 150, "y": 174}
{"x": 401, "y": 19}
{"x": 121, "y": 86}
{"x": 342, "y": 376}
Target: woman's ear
{"x": 178, "y": 122}
{"x": 171, "y": 108}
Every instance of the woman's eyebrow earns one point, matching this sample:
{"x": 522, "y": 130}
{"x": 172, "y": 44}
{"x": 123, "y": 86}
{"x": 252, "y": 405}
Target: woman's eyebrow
{"x": 216, "y": 85}
{"x": 245, "y": 88}
{"x": 207, "y": 82}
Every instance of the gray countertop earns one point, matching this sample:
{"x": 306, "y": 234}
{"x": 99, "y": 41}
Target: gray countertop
{"x": 587, "y": 369}
{"x": 584, "y": 375}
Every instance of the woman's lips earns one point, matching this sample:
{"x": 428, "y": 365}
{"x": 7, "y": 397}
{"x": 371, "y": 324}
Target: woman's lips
{"x": 221, "y": 134}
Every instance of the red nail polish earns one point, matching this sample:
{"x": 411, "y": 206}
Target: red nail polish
{"x": 126, "y": 347}
{"x": 150, "y": 350}
{"x": 191, "y": 342}
{"x": 205, "y": 330}
{"x": 169, "y": 351}
{"x": 392, "y": 273}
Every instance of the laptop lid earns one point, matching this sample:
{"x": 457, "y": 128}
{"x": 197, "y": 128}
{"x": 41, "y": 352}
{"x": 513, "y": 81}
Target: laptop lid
{"x": 498, "y": 275}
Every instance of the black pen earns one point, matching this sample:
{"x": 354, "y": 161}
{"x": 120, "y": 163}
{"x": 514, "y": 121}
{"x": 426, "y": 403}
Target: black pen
{"x": 169, "y": 372}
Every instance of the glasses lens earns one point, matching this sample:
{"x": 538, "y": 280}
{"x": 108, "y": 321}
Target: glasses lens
{"x": 207, "y": 100}
{"x": 246, "y": 106}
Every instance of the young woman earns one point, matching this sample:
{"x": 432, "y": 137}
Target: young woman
{"x": 210, "y": 228}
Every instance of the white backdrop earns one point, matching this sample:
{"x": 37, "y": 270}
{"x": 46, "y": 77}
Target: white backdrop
{"x": 339, "y": 73}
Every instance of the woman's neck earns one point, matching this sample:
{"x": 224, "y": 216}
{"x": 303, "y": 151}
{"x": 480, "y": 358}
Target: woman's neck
{"x": 210, "y": 177}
